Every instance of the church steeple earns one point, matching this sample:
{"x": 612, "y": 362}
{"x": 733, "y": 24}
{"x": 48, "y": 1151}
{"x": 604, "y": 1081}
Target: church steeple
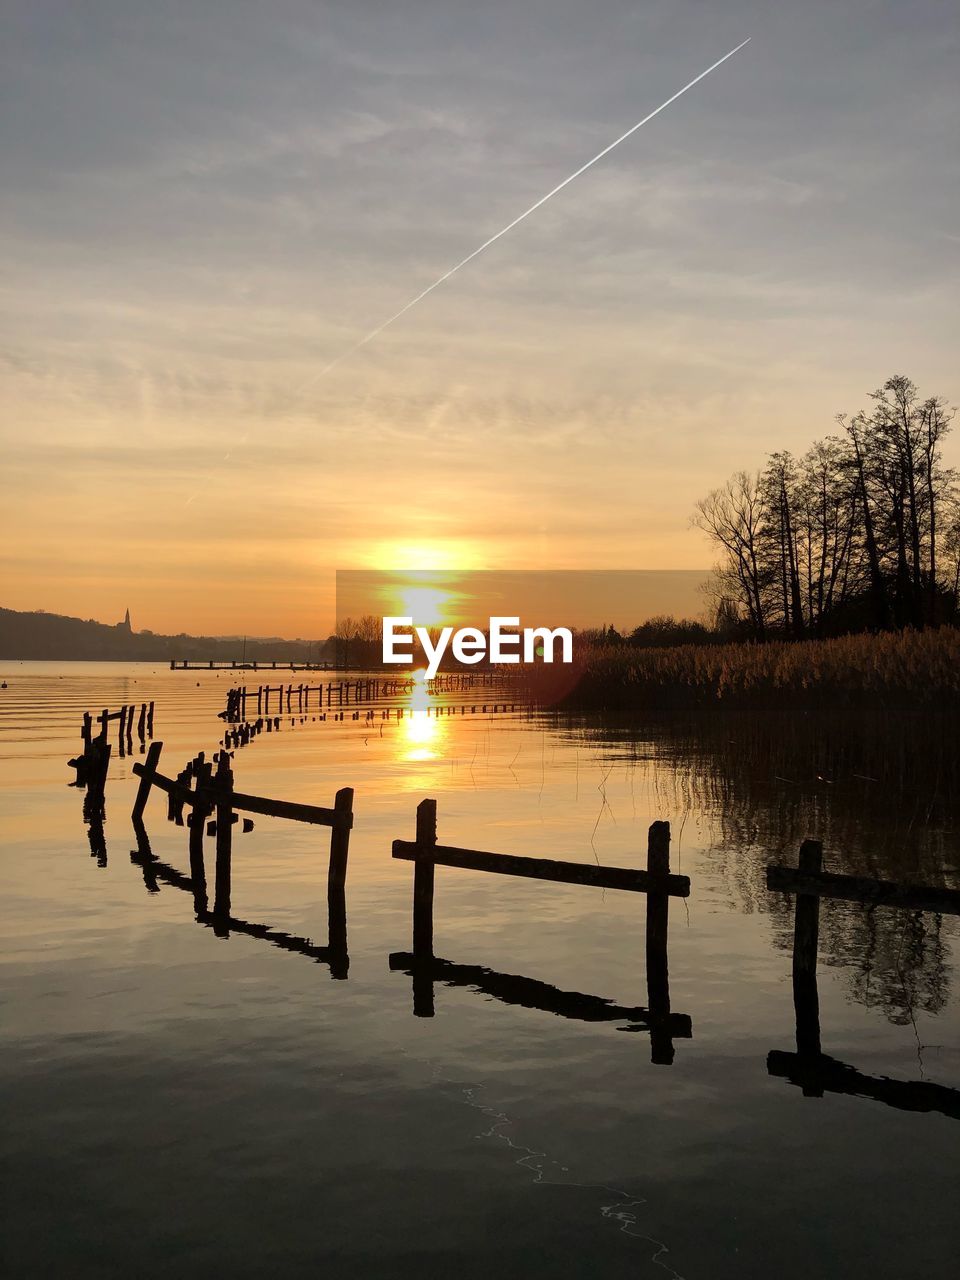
{"x": 126, "y": 621}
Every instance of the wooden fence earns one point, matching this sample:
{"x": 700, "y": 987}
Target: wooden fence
{"x": 125, "y": 718}
{"x": 812, "y": 1070}
{"x": 215, "y": 806}
{"x": 93, "y": 762}
{"x": 300, "y": 698}
{"x": 655, "y": 881}
{"x": 213, "y": 796}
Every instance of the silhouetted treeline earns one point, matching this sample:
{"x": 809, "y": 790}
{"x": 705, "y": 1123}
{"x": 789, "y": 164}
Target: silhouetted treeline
{"x": 39, "y": 636}
{"x": 860, "y": 533}
{"x": 661, "y": 632}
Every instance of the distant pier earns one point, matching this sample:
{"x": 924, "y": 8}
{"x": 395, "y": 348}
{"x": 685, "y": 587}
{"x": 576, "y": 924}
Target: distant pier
{"x": 216, "y": 664}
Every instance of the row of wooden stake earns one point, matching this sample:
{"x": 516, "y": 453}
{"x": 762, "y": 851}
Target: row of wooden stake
{"x": 210, "y": 794}
{"x": 341, "y": 693}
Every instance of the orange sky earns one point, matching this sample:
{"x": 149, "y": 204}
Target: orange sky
{"x": 185, "y": 252}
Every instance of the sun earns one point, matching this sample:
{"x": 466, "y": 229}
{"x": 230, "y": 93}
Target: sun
{"x": 427, "y": 606}
{"x": 447, "y": 556}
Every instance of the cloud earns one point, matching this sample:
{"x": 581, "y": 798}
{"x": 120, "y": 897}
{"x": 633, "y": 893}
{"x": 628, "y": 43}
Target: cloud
{"x": 205, "y": 204}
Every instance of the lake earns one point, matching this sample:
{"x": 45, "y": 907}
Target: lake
{"x": 182, "y": 1100}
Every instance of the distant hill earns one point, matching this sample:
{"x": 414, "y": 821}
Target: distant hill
{"x": 39, "y": 635}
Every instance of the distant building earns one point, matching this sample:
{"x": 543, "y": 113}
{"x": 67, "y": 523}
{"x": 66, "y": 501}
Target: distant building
{"x": 125, "y": 624}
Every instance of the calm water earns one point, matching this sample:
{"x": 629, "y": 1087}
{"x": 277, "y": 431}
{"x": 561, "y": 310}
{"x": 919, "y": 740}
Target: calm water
{"x": 179, "y": 1103}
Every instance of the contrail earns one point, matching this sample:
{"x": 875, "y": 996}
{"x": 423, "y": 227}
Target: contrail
{"x": 527, "y": 212}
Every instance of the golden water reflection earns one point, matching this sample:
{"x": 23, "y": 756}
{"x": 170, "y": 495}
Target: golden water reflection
{"x": 423, "y": 732}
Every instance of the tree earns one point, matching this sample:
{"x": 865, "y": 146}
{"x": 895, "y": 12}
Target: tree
{"x": 733, "y": 517}
{"x": 850, "y": 535}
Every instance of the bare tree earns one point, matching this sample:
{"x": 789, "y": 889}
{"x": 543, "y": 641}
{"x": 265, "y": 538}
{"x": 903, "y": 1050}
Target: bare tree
{"x": 733, "y": 517}
{"x": 859, "y": 522}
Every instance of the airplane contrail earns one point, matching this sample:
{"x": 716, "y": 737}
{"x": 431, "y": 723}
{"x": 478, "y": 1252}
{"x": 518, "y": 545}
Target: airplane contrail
{"x": 526, "y": 213}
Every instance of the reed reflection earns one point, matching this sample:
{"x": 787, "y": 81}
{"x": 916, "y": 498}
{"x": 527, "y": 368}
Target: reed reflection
{"x": 887, "y": 805}
{"x": 812, "y": 1070}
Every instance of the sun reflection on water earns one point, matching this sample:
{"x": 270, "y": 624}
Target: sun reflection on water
{"x": 422, "y": 731}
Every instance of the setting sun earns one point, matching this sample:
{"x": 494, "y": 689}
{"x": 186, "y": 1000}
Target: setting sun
{"x": 427, "y": 606}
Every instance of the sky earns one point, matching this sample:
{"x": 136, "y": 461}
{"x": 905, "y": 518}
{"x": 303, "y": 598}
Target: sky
{"x": 206, "y": 203}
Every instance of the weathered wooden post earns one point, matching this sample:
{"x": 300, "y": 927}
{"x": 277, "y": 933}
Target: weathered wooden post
{"x": 658, "y": 908}
{"x": 806, "y": 929}
{"x": 424, "y": 870}
{"x": 101, "y": 766}
{"x": 423, "y": 879}
{"x": 340, "y": 838}
{"x": 86, "y": 733}
{"x": 200, "y": 772}
{"x": 174, "y": 802}
{"x": 142, "y": 722}
{"x": 147, "y": 772}
{"x": 224, "y": 817}
{"x": 150, "y": 720}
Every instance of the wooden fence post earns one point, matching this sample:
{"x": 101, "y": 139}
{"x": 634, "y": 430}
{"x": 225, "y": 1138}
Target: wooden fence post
{"x": 806, "y": 928}
{"x": 146, "y": 780}
{"x": 658, "y": 984}
{"x": 224, "y": 819}
{"x": 340, "y": 838}
{"x": 423, "y": 879}
{"x": 201, "y": 776}
{"x": 97, "y": 779}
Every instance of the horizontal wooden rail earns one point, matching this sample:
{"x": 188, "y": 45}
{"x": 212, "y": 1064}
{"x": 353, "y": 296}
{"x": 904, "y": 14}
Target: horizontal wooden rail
{"x": 507, "y": 864}
{"x": 319, "y": 816}
{"x": 207, "y": 797}
{"x": 169, "y": 785}
{"x": 881, "y": 893}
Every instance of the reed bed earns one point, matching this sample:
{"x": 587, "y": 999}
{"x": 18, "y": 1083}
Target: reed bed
{"x": 911, "y": 667}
